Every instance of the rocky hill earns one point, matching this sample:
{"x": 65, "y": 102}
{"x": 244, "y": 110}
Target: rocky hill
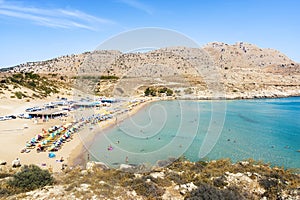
{"x": 240, "y": 70}
{"x": 245, "y": 55}
{"x": 179, "y": 180}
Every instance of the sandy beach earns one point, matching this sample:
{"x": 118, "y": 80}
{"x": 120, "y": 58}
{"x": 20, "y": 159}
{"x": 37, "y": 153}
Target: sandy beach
{"x": 13, "y": 136}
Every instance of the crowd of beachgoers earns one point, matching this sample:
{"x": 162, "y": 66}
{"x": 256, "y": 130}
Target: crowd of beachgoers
{"x": 53, "y": 138}
{"x": 38, "y": 135}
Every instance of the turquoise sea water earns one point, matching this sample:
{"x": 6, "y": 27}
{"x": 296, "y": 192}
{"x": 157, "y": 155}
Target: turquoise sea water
{"x": 265, "y": 129}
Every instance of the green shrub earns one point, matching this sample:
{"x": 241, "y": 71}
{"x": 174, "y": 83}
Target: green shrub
{"x": 53, "y": 75}
{"x": 147, "y": 92}
{"x": 206, "y": 191}
{"x": 165, "y": 90}
{"x": 150, "y": 92}
{"x": 153, "y": 91}
{"x": 31, "y": 75}
{"x": 188, "y": 91}
{"x": 4, "y": 175}
{"x": 4, "y": 192}
{"x": 146, "y": 189}
{"x": 32, "y": 84}
{"x": 19, "y": 95}
{"x": 109, "y": 77}
{"x": 17, "y": 76}
{"x": 220, "y": 182}
{"x": 97, "y": 77}
{"x": 31, "y": 177}
{"x": 35, "y": 82}
{"x": 169, "y": 92}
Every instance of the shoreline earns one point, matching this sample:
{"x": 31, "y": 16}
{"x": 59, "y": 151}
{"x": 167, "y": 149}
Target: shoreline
{"x": 78, "y": 155}
{"x": 73, "y": 152}
{"x": 240, "y": 97}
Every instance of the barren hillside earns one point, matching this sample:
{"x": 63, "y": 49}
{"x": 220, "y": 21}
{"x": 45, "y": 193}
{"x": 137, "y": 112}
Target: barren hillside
{"x": 240, "y": 70}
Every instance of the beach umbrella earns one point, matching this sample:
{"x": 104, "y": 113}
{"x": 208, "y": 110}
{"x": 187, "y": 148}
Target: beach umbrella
{"x": 58, "y": 143}
{"x": 38, "y": 136}
{"x": 44, "y": 142}
{"x": 45, "y": 133}
{"x": 51, "y": 155}
{"x": 52, "y": 147}
{"x": 33, "y": 140}
{"x": 67, "y": 125}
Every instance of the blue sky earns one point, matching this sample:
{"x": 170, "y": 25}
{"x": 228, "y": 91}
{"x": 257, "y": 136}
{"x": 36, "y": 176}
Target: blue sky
{"x": 34, "y": 30}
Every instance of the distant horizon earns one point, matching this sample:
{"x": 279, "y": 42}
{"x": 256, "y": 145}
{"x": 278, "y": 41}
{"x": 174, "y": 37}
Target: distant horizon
{"x": 33, "y": 31}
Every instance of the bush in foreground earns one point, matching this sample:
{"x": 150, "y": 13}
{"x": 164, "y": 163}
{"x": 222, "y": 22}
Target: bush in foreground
{"x": 207, "y": 192}
{"x": 31, "y": 177}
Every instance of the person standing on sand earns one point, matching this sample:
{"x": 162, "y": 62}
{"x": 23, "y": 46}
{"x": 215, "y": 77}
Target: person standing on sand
{"x": 16, "y": 163}
{"x": 50, "y": 169}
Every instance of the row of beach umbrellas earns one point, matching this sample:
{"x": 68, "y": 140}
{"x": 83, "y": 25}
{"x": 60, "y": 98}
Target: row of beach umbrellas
{"x": 55, "y": 136}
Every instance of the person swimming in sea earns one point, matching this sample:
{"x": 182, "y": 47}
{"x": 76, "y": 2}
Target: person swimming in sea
{"x": 110, "y": 148}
